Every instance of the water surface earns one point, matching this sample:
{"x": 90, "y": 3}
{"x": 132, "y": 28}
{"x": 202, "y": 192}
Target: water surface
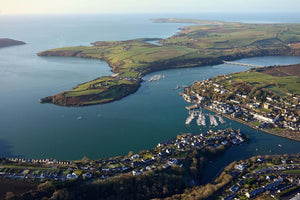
{"x": 153, "y": 114}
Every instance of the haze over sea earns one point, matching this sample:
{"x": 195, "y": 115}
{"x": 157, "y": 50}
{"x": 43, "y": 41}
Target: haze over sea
{"x": 153, "y": 114}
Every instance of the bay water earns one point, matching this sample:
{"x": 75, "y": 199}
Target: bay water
{"x": 139, "y": 121}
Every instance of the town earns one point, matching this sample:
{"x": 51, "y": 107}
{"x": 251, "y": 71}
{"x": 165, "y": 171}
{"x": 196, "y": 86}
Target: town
{"x": 247, "y": 103}
{"x": 165, "y": 155}
{"x": 268, "y": 177}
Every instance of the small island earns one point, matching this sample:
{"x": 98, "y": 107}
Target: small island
{"x": 5, "y": 42}
{"x": 210, "y": 43}
{"x": 264, "y": 98}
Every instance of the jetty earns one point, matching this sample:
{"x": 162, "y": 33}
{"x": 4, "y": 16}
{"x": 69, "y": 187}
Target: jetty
{"x": 201, "y": 119}
{"x": 242, "y": 64}
{"x": 213, "y": 121}
{"x": 221, "y": 120}
{"x": 192, "y": 107}
{"x": 190, "y": 117}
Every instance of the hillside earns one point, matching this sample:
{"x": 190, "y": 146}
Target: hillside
{"x": 195, "y": 45}
{"x": 5, "y": 42}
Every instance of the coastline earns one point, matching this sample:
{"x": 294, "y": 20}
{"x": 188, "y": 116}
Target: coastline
{"x": 61, "y": 100}
{"x": 194, "y": 46}
{"x": 250, "y": 125}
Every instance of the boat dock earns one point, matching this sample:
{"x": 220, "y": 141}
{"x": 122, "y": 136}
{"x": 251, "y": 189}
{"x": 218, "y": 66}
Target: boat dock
{"x": 190, "y": 117}
{"x": 201, "y": 119}
{"x": 192, "y": 107}
{"x": 213, "y": 121}
{"x": 221, "y": 120}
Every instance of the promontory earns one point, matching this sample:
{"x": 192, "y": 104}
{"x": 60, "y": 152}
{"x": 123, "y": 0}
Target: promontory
{"x": 207, "y": 43}
{"x": 5, "y": 42}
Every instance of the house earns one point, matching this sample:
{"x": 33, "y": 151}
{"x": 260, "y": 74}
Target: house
{"x": 135, "y": 156}
{"x": 263, "y": 118}
{"x": 255, "y": 192}
{"x": 272, "y": 186}
{"x": 241, "y": 166}
{"x": 136, "y": 173}
{"x": 235, "y": 101}
{"x": 234, "y": 189}
{"x": 87, "y": 175}
{"x": 267, "y": 106}
{"x": 260, "y": 160}
{"x": 229, "y": 197}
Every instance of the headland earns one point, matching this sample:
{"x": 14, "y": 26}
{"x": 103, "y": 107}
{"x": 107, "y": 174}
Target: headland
{"x": 5, "y": 42}
{"x": 193, "y": 46}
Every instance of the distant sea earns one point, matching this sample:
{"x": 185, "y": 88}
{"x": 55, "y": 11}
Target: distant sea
{"x": 153, "y": 114}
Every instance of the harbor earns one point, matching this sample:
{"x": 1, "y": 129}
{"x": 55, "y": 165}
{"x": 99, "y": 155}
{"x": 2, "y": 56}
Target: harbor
{"x": 194, "y": 111}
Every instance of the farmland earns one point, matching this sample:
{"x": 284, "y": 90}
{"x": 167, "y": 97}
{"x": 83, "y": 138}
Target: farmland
{"x": 195, "y": 45}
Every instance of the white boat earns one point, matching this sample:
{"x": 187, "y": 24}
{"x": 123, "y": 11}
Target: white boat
{"x": 79, "y": 117}
{"x": 190, "y": 118}
{"x": 156, "y": 78}
{"x": 177, "y": 87}
{"x": 201, "y": 120}
{"x": 213, "y": 121}
{"x": 221, "y": 120}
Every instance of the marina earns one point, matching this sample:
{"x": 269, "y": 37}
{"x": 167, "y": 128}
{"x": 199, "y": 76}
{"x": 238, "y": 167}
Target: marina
{"x": 121, "y": 128}
{"x": 201, "y": 119}
{"x": 213, "y": 121}
{"x": 190, "y": 117}
{"x": 221, "y": 120}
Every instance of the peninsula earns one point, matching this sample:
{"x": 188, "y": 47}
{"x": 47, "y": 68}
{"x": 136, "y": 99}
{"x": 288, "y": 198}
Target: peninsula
{"x": 5, "y": 42}
{"x": 212, "y": 42}
{"x": 265, "y": 98}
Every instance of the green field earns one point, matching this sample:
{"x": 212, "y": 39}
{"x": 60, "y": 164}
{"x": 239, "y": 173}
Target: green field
{"x": 279, "y": 85}
{"x": 194, "y": 46}
{"x": 292, "y": 171}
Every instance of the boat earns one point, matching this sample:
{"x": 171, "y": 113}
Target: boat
{"x": 279, "y": 145}
{"x": 79, "y": 117}
{"x": 213, "y": 121}
{"x": 156, "y": 78}
{"x": 201, "y": 120}
{"x": 177, "y": 87}
{"x": 190, "y": 118}
{"x": 221, "y": 120}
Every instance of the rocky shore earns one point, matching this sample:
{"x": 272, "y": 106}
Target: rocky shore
{"x": 5, "y": 42}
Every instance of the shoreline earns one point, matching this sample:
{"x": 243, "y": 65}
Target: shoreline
{"x": 250, "y": 125}
{"x": 193, "y": 46}
{"x": 155, "y": 67}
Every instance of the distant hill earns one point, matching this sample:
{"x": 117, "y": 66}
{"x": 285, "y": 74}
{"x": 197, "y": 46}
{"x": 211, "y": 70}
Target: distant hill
{"x": 5, "y": 42}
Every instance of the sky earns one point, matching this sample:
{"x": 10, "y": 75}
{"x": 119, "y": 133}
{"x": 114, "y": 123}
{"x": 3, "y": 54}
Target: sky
{"x": 144, "y": 6}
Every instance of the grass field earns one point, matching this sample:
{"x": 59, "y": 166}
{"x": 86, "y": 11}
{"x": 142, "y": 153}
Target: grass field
{"x": 134, "y": 58}
{"x": 279, "y": 85}
{"x": 292, "y": 171}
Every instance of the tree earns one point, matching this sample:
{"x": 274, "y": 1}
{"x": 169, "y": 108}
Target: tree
{"x": 9, "y": 196}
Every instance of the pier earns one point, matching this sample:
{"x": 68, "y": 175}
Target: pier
{"x": 192, "y": 107}
{"x": 242, "y": 64}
